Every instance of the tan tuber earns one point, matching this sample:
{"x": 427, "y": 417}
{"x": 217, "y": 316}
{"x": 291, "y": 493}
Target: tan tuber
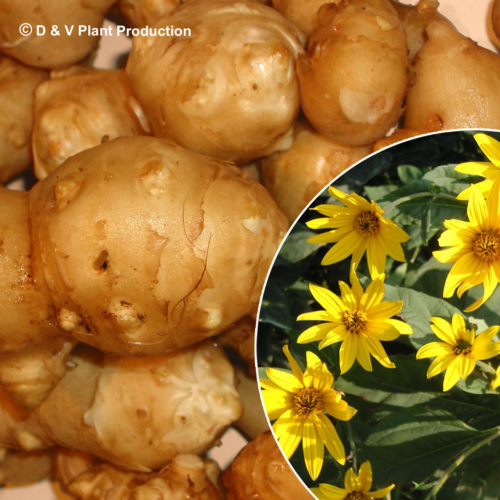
{"x": 17, "y": 87}
{"x": 260, "y": 471}
{"x": 353, "y": 77}
{"x": 50, "y": 50}
{"x": 455, "y": 83}
{"x": 294, "y": 177}
{"x": 78, "y": 109}
{"x": 230, "y": 89}
{"x": 167, "y": 247}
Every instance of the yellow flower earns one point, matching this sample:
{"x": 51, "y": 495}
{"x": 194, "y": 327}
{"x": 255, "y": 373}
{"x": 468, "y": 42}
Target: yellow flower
{"x": 299, "y": 402}
{"x": 359, "y": 319}
{"x": 490, "y": 170}
{"x": 496, "y": 380}
{"x": 355, "y": 487}
{"x": 474, "y": 247}
{"x": 459, "y": 351}
{"x": 356, "y": 228}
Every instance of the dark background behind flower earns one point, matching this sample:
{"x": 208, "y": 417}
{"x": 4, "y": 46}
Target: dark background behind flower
{"x": 406, "y": 426}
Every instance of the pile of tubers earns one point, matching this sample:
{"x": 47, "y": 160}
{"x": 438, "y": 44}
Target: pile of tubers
{"x": 133, "y": 266}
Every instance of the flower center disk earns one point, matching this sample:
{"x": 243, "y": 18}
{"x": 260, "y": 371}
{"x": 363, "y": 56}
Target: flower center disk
{"x": 307, "y": 400}
{"x": 356, "y": 495}
{"x": 462, "y": 347}
{"x": 367, "y": 222}
{"x": 354, "y": 321}
{"x": 486, "y": 245}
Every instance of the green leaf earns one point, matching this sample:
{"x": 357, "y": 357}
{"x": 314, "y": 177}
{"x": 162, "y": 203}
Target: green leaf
{"x": 414, "y": 443}
{"x": 403, "y": 386}
{"x": 449, "y": 180}
{"x": 378, "y": 193}
{"x": 296, "y": 247}
{"x": 274, "y": 308}
{"x": 432, "y": 211}
{"x": 418, "y": 309}
{"x": 409, "y": 173}
{"x": 427, "y": 277}
{"x": 478, "y": 478}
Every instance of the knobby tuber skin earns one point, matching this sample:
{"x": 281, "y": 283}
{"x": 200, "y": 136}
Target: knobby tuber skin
{"x": 455, "y": 83}
{"x": 140, "y": 13}
{"x": 33, "y": 349}
{"x": 354, "y": 75}
{"x": 187, "y": 476}
{"x": 27, "y": 318}
{"x": 50, "y": 51}
{"x": 260, "y": 471}
{"x": 230, "y": 89}
{"x": 29, "y": 376}
{"x": 139, "y": 413}
{"x": 78, "y": 109}
{"x": 167, "y": 247}
{"x": 17, "y": 86}
{"x": 415, "y": 19}
{"x": 20, "y": 429}
{"x": 295, "y": 176}
{"x": 304, "y": 14}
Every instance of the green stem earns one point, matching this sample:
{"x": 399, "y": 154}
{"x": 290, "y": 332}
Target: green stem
{"x": 459, "y": 460}
{"x": 415, "y": 254}
{"x": 486, "y": 367}
{"x": 352, "y": 445}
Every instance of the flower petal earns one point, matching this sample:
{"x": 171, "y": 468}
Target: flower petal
{"x": 297, "y": 372}
{"x": 283, "y": 379}
{"x": 373, "y": 296}
{"x": 489, "y": 146}
{"x": 351, "y": 482}
{"x": 382, "y": 492}
{"x": 315, "y": 316}
{"x": 313, "y": 449}
{"x": 363, "y": 355}
{"x": 338, "y": 334}
{"x": 330, "y": 438}
{"x": 378, "y": 352}
{"x": 288, "y": 431}
{"x": 342, "y": 249}
{"x": 329, "y": 492}
{"x": 465, "y": 365}
{"x": 326, "y": 298}
{"x": 348, "y": 351}
{"x": 376, "y": 257}
{"x": 275, "y": 403}
{"x": 385, "y": 310}
{"x": 443, "y": 330}
{"x": 317, "y": 332}
{"x": 440, "y": 364}
{"x": 365, "y": 477}
{"x": 452, "y": 375}
{"x": 349, "y": 298}
{"x": 335, "y": 406}
{"x": 318, "y": 239}
{"x": 433, "y": 349}
{"x": 476, "y": 208}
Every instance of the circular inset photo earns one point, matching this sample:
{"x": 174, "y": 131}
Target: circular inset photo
{"x": 378, "y": 344}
